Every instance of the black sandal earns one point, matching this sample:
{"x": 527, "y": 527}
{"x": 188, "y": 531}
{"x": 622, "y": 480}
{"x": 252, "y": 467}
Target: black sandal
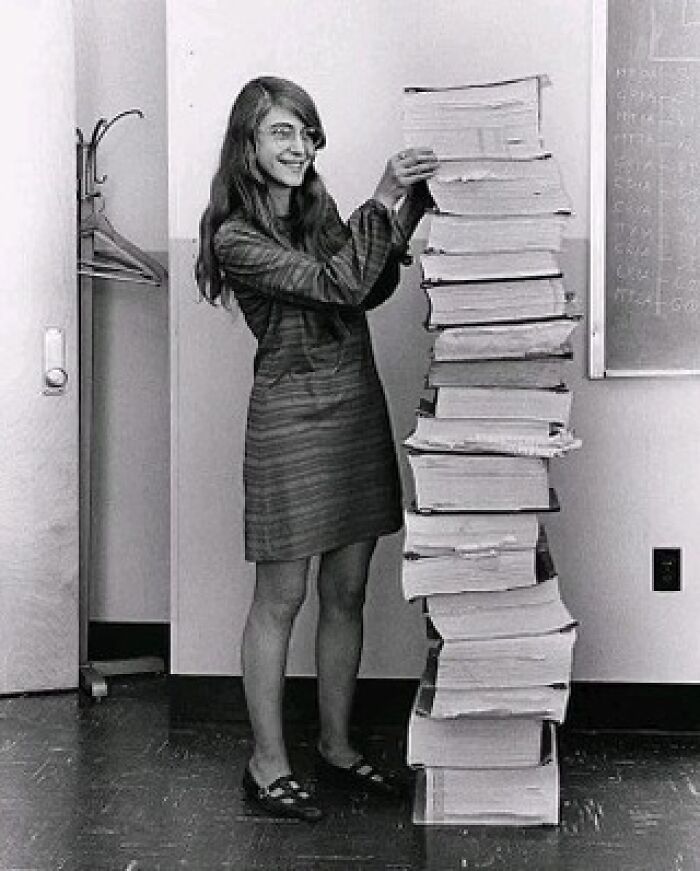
{"x": 284, "y": 797}
{"x": 362, "y": 775}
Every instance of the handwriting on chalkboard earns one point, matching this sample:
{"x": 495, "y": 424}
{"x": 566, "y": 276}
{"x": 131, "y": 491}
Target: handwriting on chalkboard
{"x": 652, "y": 197}
{"x": 653, "y": 206}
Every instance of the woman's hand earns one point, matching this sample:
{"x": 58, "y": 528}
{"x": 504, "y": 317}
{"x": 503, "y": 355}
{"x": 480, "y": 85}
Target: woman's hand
{"x": 420, "y": 195}
{"x": 403, "y": 170}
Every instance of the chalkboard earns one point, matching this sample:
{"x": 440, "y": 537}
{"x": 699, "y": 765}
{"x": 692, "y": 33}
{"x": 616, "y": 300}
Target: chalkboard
{"x": 645, "y": 162}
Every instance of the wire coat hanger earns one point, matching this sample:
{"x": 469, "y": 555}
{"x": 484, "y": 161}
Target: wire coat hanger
{"x": 100, "y": 227}
{"x": 122, "y": 260}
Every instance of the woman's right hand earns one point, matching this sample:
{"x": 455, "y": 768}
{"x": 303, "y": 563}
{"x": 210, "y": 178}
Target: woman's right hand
{"x": 403, "y": 170}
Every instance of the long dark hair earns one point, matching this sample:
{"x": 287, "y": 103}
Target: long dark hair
{"x": 239, "y": 185}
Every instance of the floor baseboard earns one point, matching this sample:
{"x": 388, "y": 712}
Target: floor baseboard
{"x": 387, "y": 701}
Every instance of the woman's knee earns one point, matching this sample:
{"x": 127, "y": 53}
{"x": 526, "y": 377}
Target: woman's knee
{"x": 342, "y": 582}
{"x": 280, "y": 588}
{"x": 346, "y": 595}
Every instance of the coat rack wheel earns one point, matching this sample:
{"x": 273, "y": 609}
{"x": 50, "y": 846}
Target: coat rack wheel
{"x": 94, "y": 674}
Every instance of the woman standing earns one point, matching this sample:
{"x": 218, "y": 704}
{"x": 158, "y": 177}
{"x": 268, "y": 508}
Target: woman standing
{"x": 321, "y": 475}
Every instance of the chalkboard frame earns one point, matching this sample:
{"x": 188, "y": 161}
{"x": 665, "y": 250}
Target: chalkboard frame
{"x": 598, "y": 366}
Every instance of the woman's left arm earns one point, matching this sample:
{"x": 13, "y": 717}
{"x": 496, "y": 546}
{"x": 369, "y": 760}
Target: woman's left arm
{"x": 415, "y": 204}
{"x": 406, "y": 219}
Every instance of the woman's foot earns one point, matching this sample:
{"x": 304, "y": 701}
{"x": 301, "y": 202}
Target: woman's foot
{"x": 340, "y": 754}
{"x": 352, "y": 771}
{"x": 283, "y": 797}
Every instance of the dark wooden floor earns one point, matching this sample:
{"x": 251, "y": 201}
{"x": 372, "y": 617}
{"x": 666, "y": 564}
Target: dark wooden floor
{"x": 113, "y": 786}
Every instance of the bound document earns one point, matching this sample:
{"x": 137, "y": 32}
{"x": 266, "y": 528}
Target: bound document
{"x": 551, "y": 406}
{"x": 454, "y": 534}
{"x": 500, "y": 120}
{"x": 484, "y": 188}
{"x": 504, "y": 341}
{"x": 544, "y": 372}
{"x": 486, "y": 570}
{"x": 465, "y": 482}
{"x": 483, "y": 302}
{"x": 522, "y": 661}
{"x": 489, "y": 266}
{"x": 467, "y": 578}
{"x": 518, "y": 438}
{"x": 530, "y": 610}
{"x": 546, "y": 702}
{"x": 492, "y": 796}
{"x": 474, "y": 742}
{"x": 460, "y": 234}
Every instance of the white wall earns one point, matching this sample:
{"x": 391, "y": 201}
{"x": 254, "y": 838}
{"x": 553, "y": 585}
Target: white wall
{"x": 120, "y": 47}
{"x": 121, "y": 65}
{"x": 631, "y": 487}
{"x": 39, "y": 575}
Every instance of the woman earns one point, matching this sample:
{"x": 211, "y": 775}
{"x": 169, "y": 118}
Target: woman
{"x": 320, "y": 471}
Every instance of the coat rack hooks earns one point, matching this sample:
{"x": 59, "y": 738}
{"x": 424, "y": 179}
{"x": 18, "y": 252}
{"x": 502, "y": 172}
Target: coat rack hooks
{"x": 121, "y": 260}
{"x": 98, "y": 134}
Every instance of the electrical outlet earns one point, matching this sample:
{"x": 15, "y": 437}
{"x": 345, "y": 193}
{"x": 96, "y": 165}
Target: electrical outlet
{"x": 666, "y": 570}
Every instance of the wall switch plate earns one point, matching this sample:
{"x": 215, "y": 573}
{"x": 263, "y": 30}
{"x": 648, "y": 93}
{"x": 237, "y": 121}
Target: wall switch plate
{"x": 666, "y": 569}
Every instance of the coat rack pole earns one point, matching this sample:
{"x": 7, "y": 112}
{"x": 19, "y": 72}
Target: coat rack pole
{"x": 90, "y": 681}
{"x": 93, "y": 673}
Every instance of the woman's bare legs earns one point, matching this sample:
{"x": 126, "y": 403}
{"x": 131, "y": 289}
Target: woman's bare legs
{"x": 280, "y": 588}
{"x": 342, "y": 581}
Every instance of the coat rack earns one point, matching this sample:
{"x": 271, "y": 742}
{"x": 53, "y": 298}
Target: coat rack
{"x": 103, "y": 253}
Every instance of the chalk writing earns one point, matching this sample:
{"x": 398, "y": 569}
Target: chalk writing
{"x": 652, "y": 233}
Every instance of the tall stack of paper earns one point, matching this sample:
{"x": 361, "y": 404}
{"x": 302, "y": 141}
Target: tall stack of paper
{"x": 482, "y": 730}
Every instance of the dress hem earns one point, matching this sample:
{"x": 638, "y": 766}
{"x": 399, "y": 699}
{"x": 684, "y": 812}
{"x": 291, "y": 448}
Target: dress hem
{"x": 305, "y": 552}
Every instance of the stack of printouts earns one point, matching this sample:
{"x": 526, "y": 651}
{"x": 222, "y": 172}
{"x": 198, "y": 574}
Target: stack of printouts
{"x": 482, "y": 732}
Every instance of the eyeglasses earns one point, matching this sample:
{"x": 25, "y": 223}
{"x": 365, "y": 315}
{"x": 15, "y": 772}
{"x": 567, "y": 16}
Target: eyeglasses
{"x": 286, "y": 134}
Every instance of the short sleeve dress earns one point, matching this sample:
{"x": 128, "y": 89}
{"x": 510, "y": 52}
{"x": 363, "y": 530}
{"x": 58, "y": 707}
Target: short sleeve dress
{"x": 320, "y": 468}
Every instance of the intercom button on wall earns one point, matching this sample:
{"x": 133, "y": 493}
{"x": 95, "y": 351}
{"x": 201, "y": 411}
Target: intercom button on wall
{"x": 55, "y": 376}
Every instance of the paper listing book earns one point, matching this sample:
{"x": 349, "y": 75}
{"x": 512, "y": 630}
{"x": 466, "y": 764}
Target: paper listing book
{"x": 483, "y": 302}
{"x": 482, "y": 569}
{"x": 516, "y": 437}
{"x": 519, "y": 661}
{"x": 530, "y": 610}
{"x": 483, "y": 188}
{"x": 447, "y": 534}
{"x": 544, "y": 372}
{"x": 497, "y": 569}
{"x": 490, "y": 796}
{"x": 478, "y": 742}
{"x": 553, "y": 406}
{"x": 545, "y": 702}
{"x": 495, "y": 120}
{"x": 502, "y": 341}
{"x": 466, "y": 482}
{"x": 460, "y": 234}
{"x": 489, "y": 266}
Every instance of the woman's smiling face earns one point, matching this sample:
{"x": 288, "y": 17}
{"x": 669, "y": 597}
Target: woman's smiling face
{"x": 284, "y": 148}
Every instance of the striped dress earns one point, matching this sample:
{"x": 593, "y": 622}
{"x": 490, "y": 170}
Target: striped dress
{"x": 320, "y": 468}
